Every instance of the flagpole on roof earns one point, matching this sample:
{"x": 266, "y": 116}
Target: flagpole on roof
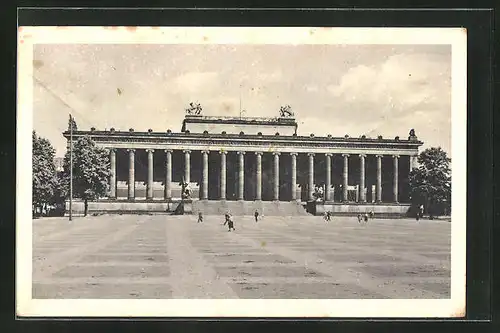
{"x": 70, "y": 167}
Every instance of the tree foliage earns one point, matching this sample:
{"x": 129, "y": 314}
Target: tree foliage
{"x": 90, "y": 169}
{"x": 44, "y": 172}
{"x": 430, "y": 183}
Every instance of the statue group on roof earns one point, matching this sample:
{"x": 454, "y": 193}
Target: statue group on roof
{"x": 286, "y": 111}
{"x": 194, "y": 109}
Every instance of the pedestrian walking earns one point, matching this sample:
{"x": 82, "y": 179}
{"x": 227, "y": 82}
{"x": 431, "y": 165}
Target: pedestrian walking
{"x": 229, "y": 222}
{"x": 365, "y": 217}
{"x": 360, "y": 218}
{"x": 372, "y": 214}
{"x": 200, "y": 217}
{"x": 256, "y": 214}
{"x": 329, "y": 215}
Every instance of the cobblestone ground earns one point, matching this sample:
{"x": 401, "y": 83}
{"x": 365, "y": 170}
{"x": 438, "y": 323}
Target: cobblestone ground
{"x": 130, "y": 257}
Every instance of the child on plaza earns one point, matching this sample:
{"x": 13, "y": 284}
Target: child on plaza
{"x": 229, "y": 222}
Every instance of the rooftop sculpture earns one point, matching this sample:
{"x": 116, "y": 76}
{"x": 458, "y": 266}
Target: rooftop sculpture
{"x": 194, "y": 109}
{"x": 286, "y": 111}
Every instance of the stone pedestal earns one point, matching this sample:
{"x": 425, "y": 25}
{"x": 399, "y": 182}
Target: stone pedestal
{"x": 187, "y": 207}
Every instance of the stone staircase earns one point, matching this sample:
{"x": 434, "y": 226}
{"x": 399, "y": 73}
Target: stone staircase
{"x": 239, "y": 208}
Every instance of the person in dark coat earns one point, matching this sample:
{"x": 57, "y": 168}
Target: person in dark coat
{"x": 200, "y": 217}
{"x": 229, "y": 222}
{"x": 256, "y": 214}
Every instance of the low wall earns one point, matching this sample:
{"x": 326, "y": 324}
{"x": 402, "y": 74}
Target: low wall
{"x": 381, "y": 209}
{"x": 125, "y": 207}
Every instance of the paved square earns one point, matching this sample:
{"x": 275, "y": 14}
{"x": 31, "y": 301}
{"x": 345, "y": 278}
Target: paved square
{"x": 161, "y": 256}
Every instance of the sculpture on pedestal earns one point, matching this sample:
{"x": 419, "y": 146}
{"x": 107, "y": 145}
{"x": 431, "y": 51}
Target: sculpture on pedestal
{"x": 286, "y": 111}
{"x": 194, "y": 109}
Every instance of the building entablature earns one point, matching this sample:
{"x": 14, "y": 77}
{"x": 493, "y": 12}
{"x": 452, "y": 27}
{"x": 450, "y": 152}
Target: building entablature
{"x": 265, "y": 143}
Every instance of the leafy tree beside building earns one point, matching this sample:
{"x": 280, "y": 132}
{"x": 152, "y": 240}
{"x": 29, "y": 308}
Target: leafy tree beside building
{"x": 44, "y": 174}
{"x": 91, "y": 170}
{"x": 430, "y": 183}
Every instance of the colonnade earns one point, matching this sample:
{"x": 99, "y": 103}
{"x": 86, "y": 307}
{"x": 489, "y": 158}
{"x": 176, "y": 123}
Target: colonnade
{"x": 258, "y": 174}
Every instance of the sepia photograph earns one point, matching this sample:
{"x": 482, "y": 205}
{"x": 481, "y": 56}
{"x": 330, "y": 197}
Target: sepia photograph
{"x": 241, "y": 172}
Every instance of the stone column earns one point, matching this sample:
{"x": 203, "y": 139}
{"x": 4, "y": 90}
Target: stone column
{"x": 241, "y": 176}
{"x": 131, "y": 174}
{"x": 112, "y": 180}
{"x": 311, "y": 176}
{"x": 223, "y": 175}
{"x": 187, "y": 166}
{"x": 276, "y": 176}
{"x": 149, "y": 191}
{"x": 258, "y": 176}
{"x": 396, "y": 177}
{"x": 379, "y": 178}
{"x": 294, "y": 175}
{"x": 168, "y": 174}
{"x": 362, "y": 193}
{"x": 345, "y": 177}
{"x": 413, "y": 162}
{"x": 328, "y": 181}
{"x": 204, "y": 195}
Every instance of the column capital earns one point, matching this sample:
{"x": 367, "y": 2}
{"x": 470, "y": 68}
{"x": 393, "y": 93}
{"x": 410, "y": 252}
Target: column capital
{"x": 276, "y": 153}
{"x": 131, "y": 150}
{"x": 310, "y": 154}
{"x": 345, "y": 155}
{"x": 150, "y": 150}
{"x": 240, "y": 152}
{"x": 379, "y": 156}
{"x": 205, "y": 151}
{"x": 186, "y": 151}
{"x": 223, "y": 152}
{"x": 259, "y": 153}
{"x": 168, "y": 150}
{"x": 395, "y": 156}
{"x": 294, "y": 154}
{"x": 329, "y": 154}
{"x": 362, "y": 155}
{"x": 112, "y": 150}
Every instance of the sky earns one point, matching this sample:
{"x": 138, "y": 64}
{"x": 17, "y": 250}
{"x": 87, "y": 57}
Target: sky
{"x": 333, "y": 89}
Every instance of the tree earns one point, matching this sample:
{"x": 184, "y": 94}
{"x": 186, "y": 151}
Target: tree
{"x": 430, "y": 183}
{"x": 90, "y": 170}
{"x": 44, "y": 173}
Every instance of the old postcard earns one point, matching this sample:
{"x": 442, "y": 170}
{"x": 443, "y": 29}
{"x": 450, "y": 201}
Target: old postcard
{"x": 241, "y": 172}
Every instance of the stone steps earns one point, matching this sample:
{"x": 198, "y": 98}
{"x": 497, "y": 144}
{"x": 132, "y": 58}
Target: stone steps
{"x": 239, "y": 208}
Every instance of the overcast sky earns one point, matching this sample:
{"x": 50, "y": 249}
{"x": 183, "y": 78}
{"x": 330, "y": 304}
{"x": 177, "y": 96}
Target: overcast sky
{"x": 333, "y": 89}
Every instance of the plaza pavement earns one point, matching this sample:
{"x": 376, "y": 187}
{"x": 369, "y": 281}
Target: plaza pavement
{"x": 161, "y": 256}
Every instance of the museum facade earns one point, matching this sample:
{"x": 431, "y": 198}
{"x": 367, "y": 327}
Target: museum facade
{"x": 246, "y": 163}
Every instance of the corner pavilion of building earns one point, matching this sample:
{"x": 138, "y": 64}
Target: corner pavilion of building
{"x": 247, "y": 164}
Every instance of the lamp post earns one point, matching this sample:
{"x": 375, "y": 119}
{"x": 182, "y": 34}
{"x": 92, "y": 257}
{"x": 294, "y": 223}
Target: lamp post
{"x": 70, "y": 167}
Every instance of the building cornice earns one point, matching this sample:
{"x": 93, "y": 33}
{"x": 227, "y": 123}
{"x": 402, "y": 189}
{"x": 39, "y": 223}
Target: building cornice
{"x": 244, "y": 139}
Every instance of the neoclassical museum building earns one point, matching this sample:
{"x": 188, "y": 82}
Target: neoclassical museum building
{"x": 243, "y": 164}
